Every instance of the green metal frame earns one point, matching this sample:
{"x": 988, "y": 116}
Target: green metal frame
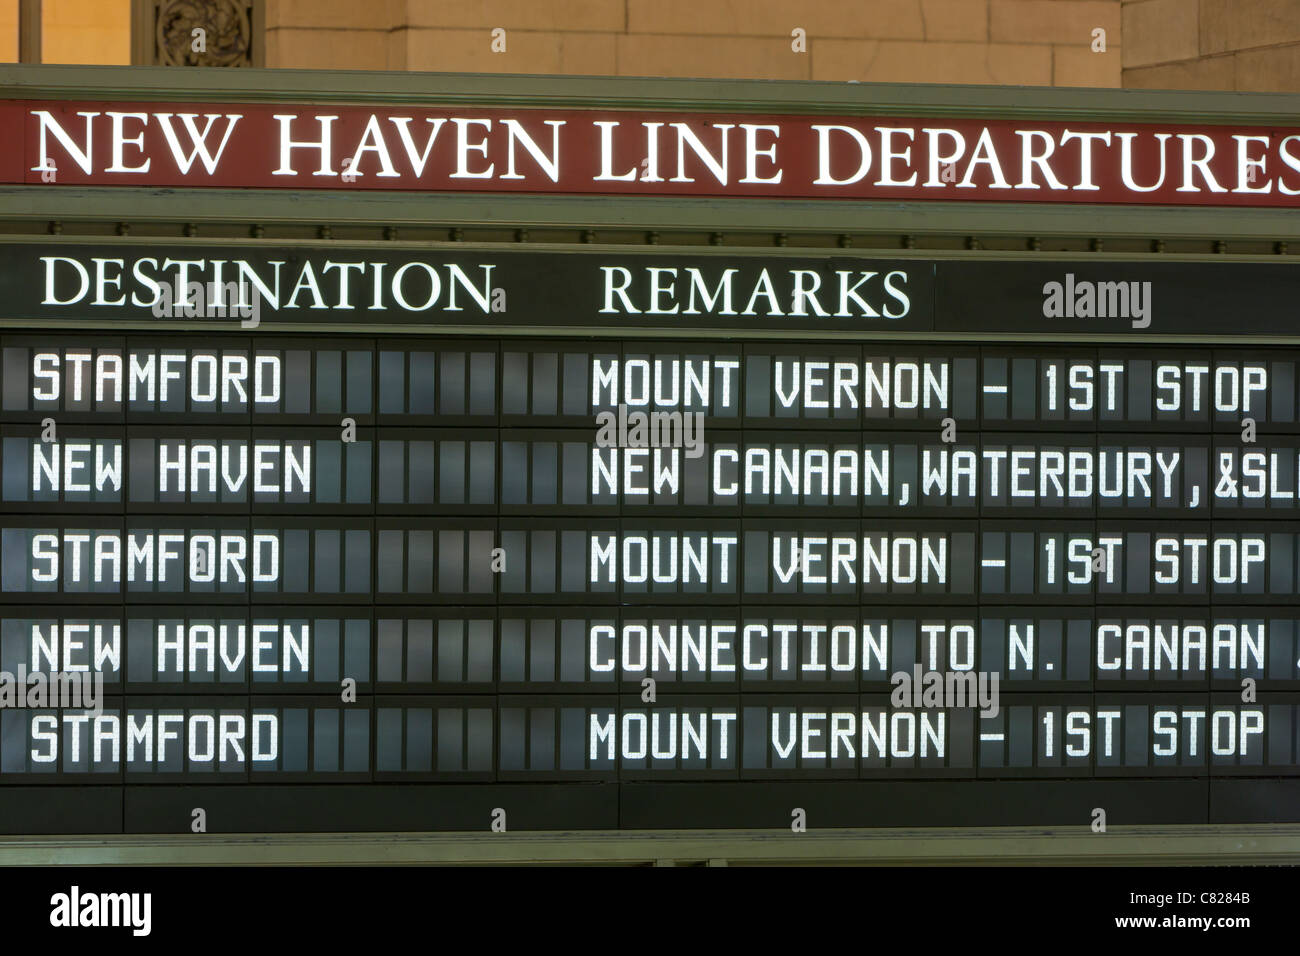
{"x": 644, "y": 213}
{"x": 24, "y": 207}
{"x": 1041, "y": 846}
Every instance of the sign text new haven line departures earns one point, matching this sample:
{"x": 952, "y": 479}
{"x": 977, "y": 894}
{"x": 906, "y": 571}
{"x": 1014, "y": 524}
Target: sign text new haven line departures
{"x": 645, "y": 153}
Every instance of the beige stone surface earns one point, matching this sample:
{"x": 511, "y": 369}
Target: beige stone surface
{"x": 715, "y": 57}
{"x": 902, "y": 62}
{"x": 955, "y": 19}
{"x": 1053, "y": 21}
{"x": 1175, "y": 44}
{"x": 882, "y": 19}
{"x": 1241, "y": 24}
{"x": 470, "y": 51}
{"x": 549, "y": 15}
{"x": 336, "y": 14}
{"x": 1205, "y": 73}
{"x": 86, "y": 31}
{"x": 1274, "y": 70}
{"x": 397, "y": 50}
{"x": 1160, "y": 31}
{"x": 300, "y": 49}
{"x": 8, "y": 31}
{"x": 1079, "y": 66}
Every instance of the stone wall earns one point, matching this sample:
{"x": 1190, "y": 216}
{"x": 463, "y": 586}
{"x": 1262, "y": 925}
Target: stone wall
{"x": 1144, "y": 44}
{"x": 1018, "y": 42}
{"x": 1212, "y": 44}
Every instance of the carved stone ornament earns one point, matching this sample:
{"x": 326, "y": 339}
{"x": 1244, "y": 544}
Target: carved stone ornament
{"x": 225, "y": 40}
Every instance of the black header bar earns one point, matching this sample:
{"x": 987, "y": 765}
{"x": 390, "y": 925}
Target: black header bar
{"x": 364, "y": 288}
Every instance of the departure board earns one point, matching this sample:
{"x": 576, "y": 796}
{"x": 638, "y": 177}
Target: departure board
{"x": 962, "y": 554}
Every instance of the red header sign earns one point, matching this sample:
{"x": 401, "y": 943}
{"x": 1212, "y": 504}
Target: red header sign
{"x": 644, "y": 153}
